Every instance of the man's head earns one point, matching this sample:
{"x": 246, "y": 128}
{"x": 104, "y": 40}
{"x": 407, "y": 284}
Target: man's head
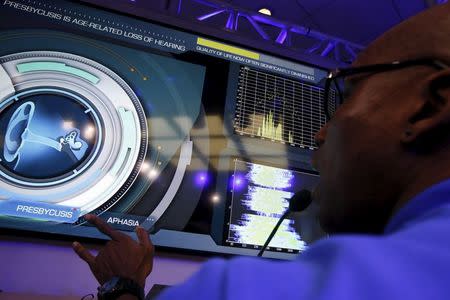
{"x": 391, "y": 137}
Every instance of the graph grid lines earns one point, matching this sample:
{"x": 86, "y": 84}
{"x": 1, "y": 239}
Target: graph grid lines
{"x": 278, "y": 108}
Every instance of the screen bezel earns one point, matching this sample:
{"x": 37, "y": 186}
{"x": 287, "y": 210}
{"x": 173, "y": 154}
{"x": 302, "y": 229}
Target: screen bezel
{"x": 84, "y": 4}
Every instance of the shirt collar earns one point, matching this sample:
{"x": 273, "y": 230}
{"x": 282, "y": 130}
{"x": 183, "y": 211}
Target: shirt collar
{"x": 433, "y": 197}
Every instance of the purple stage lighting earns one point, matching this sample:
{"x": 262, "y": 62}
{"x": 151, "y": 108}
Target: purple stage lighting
{"x": 326, "y": 46}
{"x": 207, "y": 16}
{"x": 237, "y": 182}
{"x": 201, "y": 179}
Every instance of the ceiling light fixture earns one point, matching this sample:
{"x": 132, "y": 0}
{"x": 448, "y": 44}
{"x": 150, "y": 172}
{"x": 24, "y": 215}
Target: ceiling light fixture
{"x": 265, "y": 11}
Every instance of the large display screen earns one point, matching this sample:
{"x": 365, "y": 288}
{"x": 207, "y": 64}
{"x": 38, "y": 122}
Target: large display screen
{"x": 199, "y": 141}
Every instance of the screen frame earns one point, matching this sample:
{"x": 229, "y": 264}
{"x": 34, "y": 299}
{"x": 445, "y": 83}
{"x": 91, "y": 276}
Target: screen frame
{"x": 65, "y": 237}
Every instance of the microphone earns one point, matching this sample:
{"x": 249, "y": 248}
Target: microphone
{"x": 299, "y": 202}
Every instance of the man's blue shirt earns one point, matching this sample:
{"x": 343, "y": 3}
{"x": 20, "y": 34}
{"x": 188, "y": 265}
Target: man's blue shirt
{"x": 410, "y": 261}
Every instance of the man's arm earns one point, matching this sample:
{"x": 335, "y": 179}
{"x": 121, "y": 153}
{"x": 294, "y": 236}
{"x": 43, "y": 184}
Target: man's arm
{"x": 122, "y": 256}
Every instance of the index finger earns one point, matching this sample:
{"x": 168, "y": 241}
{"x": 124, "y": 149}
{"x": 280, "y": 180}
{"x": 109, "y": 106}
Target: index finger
{"x": 143, "y": 237}
{"x": 103, "y": 227}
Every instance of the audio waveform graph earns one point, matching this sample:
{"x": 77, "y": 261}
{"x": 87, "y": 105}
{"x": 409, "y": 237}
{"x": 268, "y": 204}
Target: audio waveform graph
{"x": 278, "y": 109}
{"x": 273, "y": 131}
{"x": 258, "y": 201}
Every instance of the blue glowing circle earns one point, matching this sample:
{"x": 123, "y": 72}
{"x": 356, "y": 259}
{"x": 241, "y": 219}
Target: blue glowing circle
{"x": 47, "y": 136}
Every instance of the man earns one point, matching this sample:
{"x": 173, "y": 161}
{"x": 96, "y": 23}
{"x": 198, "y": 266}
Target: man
{"x": 384, "y": 161}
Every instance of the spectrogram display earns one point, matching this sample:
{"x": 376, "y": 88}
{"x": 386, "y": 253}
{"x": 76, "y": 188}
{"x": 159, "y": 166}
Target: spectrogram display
{"x": 260, "y": 195}
{"x": 278, "y": 109}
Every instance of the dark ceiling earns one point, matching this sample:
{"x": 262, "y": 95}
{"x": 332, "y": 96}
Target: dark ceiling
{"x": 336, "y": 30}
{"x": 358, "y": 21}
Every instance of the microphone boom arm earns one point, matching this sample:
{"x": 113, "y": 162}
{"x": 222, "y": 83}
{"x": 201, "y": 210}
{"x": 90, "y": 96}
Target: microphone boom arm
{"x": 275, "y": 229}
{"x": 299, "y": 202}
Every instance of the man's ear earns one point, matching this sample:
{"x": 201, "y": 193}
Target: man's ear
{"x": 432, "y": 117}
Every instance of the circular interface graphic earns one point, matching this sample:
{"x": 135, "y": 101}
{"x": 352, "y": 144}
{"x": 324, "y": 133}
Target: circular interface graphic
{"x": 47, "y": 136}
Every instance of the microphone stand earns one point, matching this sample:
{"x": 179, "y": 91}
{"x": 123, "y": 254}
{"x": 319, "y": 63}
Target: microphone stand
{"x": 299, "y": 202}
{"x": 275, "y": 229}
